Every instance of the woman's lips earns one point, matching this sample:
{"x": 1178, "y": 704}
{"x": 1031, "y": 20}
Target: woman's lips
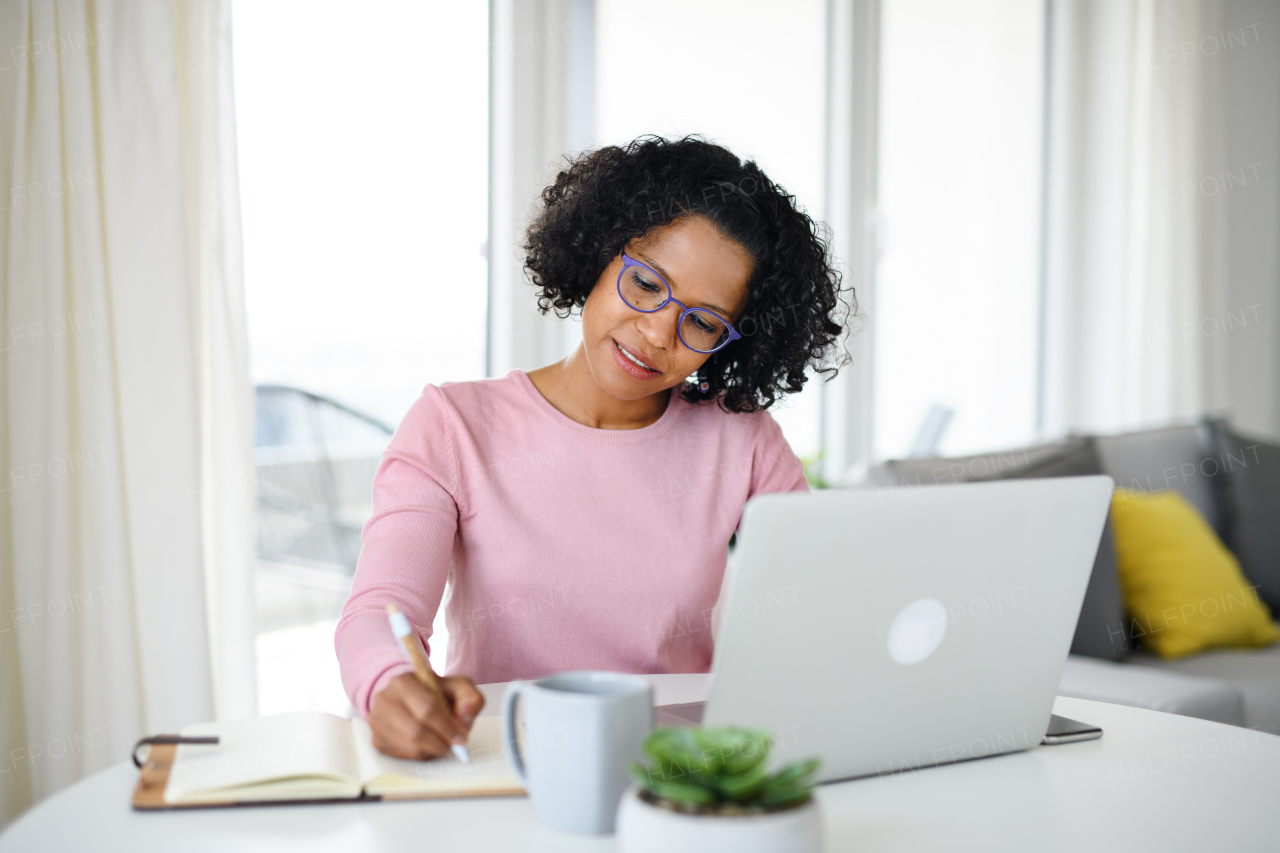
{"x": 619, "y": 355}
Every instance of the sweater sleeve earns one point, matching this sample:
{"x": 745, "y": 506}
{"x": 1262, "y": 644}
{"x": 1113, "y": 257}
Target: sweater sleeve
{"x": 774, "y": 466}
{"x": 405, "y": 553}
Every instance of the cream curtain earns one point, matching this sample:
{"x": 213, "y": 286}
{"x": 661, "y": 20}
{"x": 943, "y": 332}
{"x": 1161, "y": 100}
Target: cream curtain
{"x": 1135, "y": 183}
{"x": 125, "y": 407}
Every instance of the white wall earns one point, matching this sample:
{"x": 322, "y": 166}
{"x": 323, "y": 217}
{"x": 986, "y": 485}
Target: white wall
{"x": 1251, "y": 127}
{"x": 1163, "y": 197}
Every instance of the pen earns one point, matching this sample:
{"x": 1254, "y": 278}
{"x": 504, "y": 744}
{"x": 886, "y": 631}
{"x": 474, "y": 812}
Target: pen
{"x": 421, "y": 669}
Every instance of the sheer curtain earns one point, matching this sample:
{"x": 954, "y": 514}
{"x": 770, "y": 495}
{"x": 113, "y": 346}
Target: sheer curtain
{"x": 1134, "y": 247}
{"x": 125, "y": 407}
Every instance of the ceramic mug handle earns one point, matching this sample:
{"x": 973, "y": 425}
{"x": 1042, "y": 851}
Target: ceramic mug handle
{"x": 509, "y": 739}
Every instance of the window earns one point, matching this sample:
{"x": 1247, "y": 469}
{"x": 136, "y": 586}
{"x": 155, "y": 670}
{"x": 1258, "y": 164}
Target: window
{"x": 768, "y": 111}
{"x": 363, "y": 173}
{"x": 960, "y": 172}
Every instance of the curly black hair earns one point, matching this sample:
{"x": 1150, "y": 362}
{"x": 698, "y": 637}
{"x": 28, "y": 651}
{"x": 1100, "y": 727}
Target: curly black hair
{"x": 794, "y": 311}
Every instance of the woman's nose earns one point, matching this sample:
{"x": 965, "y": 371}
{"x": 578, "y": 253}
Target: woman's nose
{"x": 659, "y": 328}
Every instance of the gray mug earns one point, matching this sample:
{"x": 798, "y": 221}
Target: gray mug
{"x": 581, "y": 729}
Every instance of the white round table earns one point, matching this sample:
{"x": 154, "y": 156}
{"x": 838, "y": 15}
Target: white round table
{"x": 1153, "y": 782}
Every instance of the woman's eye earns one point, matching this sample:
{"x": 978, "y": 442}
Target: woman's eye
{"x": 647, "y": 286}
{"x": 703, "y": 325}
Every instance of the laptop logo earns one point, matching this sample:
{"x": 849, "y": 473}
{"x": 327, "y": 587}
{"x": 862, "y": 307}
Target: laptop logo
{"x": 917, "y": 631}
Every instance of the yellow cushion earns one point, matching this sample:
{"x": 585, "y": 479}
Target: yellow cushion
{"x": 1183, "y": 589}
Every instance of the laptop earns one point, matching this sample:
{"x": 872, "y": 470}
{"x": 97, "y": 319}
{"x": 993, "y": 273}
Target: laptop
{"x": 891, "y": 629}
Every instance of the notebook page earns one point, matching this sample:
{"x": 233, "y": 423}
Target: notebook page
{"x": 300, "y": 755}
{"x": 446, "y": 776}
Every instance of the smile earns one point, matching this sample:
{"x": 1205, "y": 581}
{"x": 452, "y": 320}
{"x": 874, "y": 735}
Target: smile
{"x": 633, "y": 365}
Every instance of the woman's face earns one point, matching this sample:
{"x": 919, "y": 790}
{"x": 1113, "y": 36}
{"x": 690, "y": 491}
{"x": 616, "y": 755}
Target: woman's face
{"x": 705, "y": 270}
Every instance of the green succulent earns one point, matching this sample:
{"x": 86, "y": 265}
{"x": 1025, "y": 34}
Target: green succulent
{"x": 720, "y": 770}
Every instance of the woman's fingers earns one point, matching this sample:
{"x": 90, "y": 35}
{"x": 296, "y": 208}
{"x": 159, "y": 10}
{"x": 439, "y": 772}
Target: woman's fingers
{"x": 427, "y": 709}
{"x": 467, "y": 699}
{"x": 408, "y": 721}
{"x": 397, "y": 733}
{"x": 424, "y": 738}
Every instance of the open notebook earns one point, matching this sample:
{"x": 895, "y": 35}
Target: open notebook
{"x": 310, "y": 755}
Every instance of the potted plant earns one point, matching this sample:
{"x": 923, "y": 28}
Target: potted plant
{"x": 710, "y": 789}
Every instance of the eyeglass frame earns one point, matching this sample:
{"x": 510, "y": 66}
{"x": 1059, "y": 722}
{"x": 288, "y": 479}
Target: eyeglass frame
{"x": 628, "y": 261}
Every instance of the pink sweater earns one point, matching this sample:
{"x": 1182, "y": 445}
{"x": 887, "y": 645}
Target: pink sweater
{"x": 565, "y": 547}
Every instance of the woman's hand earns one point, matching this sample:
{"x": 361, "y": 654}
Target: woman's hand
{"x": 409, "y": 722}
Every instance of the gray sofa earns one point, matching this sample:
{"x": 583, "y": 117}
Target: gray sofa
{"x": 1235, "y": 483}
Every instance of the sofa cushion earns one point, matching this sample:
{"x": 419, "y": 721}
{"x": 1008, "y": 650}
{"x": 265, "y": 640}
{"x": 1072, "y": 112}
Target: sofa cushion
{"x": 1255, "y": 673}
{"x": 1179, "y": 458}
{"x": 1251, "y": 503}
{"x": 1101, "y": 630}
{"x": 1179, "y": 581}
{"x": 1141, "y": 687}
{"x": 936, "y": 471}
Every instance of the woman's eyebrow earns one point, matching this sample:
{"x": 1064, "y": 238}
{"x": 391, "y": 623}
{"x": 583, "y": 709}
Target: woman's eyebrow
{"x": 672, "y": 282}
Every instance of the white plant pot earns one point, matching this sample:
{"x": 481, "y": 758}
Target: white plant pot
{"x": 643, "y": 828}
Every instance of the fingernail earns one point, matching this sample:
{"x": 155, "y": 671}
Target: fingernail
{"x": 460, "y": 738}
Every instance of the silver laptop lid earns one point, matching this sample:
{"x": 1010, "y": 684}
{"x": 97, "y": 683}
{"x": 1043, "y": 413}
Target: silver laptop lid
{"x": 888, "y": 629}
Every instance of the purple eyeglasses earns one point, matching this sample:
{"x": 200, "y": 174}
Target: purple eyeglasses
{"x": 700, "y": 329}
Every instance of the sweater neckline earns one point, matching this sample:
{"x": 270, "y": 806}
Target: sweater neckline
{"x": 562, "y": 421}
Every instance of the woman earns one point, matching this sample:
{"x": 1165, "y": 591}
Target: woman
{"x": 581, "y": 512}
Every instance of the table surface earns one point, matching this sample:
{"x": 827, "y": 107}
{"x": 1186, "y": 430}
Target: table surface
{"x": 1154, "y": 782}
